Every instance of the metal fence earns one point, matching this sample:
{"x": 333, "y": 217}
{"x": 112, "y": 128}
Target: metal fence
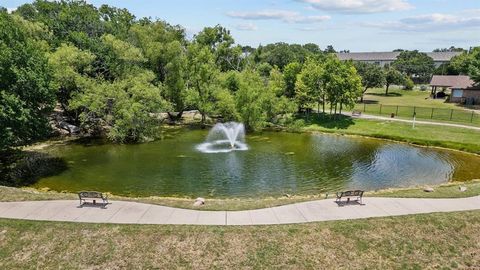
{"x": 451, "y": 115}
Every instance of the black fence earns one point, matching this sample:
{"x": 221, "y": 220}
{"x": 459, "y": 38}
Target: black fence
{"x": 467, "y": 116}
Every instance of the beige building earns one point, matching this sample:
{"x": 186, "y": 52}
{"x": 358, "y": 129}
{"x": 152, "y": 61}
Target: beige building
{"x": 384, "y": 58}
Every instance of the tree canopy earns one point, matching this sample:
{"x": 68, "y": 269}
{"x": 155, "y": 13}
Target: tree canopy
{"x": 25, "y": 90}
{"x": 418, "y": 66}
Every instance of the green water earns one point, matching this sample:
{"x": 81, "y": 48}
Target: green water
{"x": 275, "y": 164}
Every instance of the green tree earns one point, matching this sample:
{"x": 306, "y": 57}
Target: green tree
{"x": 221, "y": 43}
{"x": 127, "y": 110}
{"x": 290, "y": 75}
{"x": 372, "y": 76}
{"x": 343, "y": 86}
{"x": 202, "y": 79}
{"x": 415, "y": 65}
{"x": 165, "y": 48}
{"x": 25, "y": 94}
{"x": 70, "y": 65}
{"x": 310, "y": 84}
{"x": 65, "y": 18}
{"x": 393, "y": 76}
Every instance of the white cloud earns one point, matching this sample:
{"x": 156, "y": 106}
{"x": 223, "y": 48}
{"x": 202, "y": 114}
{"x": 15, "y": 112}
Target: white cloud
{"x": 359, "y": 6}
{"x": 246, "y": 27}
{"x": 435, "y": 22}
{"x": 282, "y": 15}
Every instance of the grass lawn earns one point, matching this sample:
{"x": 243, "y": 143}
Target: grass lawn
{"x": 435, "y": 241}
{"x": 448, "y": 137}
{"x": 404, "y": 103}
{"x": 407, "y": 98}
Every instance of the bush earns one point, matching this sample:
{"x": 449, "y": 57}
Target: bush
{"x": 296, "y": 126}
{"x": 409, "y": 85}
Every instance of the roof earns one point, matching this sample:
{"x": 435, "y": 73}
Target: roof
{"x": 456, "y": 81}
{"x": 392, "y": 56}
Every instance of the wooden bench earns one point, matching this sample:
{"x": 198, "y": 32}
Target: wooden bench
{"x": 356, "y": 113}
{"x": 350, "y": 195}
{"x": 92, "y": 195}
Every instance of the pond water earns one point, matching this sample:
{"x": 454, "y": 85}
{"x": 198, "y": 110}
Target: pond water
{"x": 274, "y": 164}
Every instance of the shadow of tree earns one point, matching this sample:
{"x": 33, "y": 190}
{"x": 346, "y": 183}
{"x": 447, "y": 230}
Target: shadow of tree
{"x": 391, "y": 94}
{"x": 368, "y": 101}
{"x": 338, "y": 121}
{"x": 23, "y": 168}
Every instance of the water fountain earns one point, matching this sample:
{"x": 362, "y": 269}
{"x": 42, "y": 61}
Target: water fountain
{"x": 224, "y": 138}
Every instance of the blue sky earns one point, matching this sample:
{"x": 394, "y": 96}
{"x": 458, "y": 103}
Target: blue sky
{"x": 355, "y": 25}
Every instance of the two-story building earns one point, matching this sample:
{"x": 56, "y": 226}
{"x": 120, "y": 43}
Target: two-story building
{"x": 384, "y": 58}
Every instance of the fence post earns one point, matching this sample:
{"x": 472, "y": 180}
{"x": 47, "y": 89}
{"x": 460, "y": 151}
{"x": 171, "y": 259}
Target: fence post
{"x": 451, "y": 115}
{"x": 431, "y": 116}
{"x": 396, "y": 113}
{"x": 471, "y": 118}
{"x": 364, "y": 107}
{"x": 380, "y": 109}
{"x": 415, "y": 110}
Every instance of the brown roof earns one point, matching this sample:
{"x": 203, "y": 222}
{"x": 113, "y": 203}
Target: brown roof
{"x": 460, "y": 81}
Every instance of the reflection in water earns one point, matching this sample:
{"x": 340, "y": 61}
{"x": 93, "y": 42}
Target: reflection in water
{"x": 394, "y": 165}
{"x": 276, "y": 163}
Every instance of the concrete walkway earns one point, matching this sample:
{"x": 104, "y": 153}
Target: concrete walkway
{"x": 420, "y": 122}
{"x": 121, "y": 212}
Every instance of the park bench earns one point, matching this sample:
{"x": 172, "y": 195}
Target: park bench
{"x": 350, "y": 195}
{"x": 356, "y": 113}
{"x": 93, "y": 196}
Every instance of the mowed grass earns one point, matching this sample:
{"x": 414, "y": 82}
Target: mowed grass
{"x": 429, "y": 135}
{"x": 405, "y": 103}
{"x": 432, "y": 241}
{"x": 406, "y": 98}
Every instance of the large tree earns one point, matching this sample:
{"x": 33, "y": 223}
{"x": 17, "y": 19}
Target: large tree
{"x": 25, "y": 93}
{"x": 310, "y": 85}
{"x": 222, "y": 45}
{"x": 164, "y": 46}
{"x": 290, "y": 76}
{"x": 202, "y": 79}
{"x": 393, "y": 77}
{"x": 372, "y": 76}
{"x": 343, "y": 85}
{"x": 416, "y": 65}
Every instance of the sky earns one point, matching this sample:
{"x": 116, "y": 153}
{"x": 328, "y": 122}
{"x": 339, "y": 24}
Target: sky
{"x": 355, "y": 25}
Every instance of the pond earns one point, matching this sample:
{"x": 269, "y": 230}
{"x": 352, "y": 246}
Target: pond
{"x": 274, "y": 164}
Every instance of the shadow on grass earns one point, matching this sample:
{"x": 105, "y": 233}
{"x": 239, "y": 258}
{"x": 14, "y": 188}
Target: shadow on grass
{"x": 390, "y": 94}
{"x": 338, "y": 121}
{"x": 24, "y": 168}
{"x": 368, "y": 101}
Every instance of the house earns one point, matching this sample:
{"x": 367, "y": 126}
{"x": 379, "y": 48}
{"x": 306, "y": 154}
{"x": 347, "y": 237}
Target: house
{"x": 384, "y": 58}
{"x": 463, "y": 88}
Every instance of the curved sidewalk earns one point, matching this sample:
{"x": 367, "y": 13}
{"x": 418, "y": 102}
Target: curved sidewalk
{"x": 121, "y": 212}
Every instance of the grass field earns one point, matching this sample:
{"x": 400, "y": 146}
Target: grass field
{"x": 433, "y": 241}
{"x": 404, "y": 104}
{"x": 407, "y": 98}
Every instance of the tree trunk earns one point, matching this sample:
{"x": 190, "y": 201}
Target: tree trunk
{"x": 363, "y": 93}
{"x": 175, "y": 117}
{"x": 323, "y": 101}
{"x": 386, "y": 89}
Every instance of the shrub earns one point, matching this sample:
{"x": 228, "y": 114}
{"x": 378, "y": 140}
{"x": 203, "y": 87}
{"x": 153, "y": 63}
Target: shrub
{"x": 409, "y": 85}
